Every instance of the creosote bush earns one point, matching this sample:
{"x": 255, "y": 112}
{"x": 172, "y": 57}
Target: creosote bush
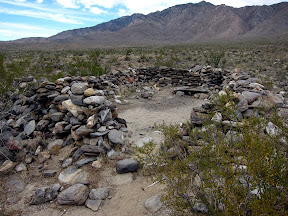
{"x": 222, "y": 169}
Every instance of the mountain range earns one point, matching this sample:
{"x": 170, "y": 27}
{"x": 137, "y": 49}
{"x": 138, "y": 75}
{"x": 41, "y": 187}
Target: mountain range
{"x": 186, "y": 23}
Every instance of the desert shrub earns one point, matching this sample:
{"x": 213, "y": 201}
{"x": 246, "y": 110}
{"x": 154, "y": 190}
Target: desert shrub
{"x": 239, "y": 170}
{"x": 214, "y": 58}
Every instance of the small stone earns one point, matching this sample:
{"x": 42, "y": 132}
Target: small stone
{"x": 55, "y": 145}
{"x": 74, "y": 195}
{"x": 30, "y": 127}
{"x": 126, "y": 165}
{"x": 273, "y": 130}
{"x": 112, "y": 154}
{"x": 65, "y": 90}
{"x": 140, "y": 143}
{"x": 94, "y": 204}
{"x": 89, "y": 92}
{"x": 99, "y": 194}
{"x": 57, "y": 116}
{"x": 21, "y": 167}
{"x": 250, "y": 96}
{"x": 49, "y": 173}
{"x": 200, "y": 207}
{"x": 84, "y": 161}
{"x": 147, "y": 94}
{"x": 13, "y": 144}
{"x": 116, "y": 137}
{"x": 79, "y": 88}
{"x": 153, "y": 204}
{"x": 94, "y": 100}
{"x": 7, "y": 166}
{"x": 42, "y": 124}
{"x": 180, "y": 93}
{"x": 77, "y": 99}
{"x": 194, "y": 118}
{"x": 74, "y": 109}
{"x": 217, "y": 117}
{"x": 105, "y": 115}
{"x": 91, "y": 121}
{"x": 72, "y": 175}
{"x": 67, "y": 162}
{"x": 97, "y": 164}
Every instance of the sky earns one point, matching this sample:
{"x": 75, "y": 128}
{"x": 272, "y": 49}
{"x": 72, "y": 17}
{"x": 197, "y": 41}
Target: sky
{"x": 44, "y": 18}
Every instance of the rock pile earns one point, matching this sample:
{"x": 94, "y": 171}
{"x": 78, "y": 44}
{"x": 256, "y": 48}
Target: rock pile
{"x": 195, "y": 77}
{"x": 76, "y": 111}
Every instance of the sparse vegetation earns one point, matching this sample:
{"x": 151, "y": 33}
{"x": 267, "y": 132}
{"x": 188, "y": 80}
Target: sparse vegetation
{"x": 265, "y": 59}
{"x": 230, "y": 171}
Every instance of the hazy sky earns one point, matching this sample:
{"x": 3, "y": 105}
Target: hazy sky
{"x": 44, "y": 18}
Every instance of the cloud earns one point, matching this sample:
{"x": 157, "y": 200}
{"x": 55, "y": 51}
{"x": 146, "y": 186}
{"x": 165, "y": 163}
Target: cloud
{"x": 97, "y": 10}
{"x": 68, "y": 3}
{"x": 39, "y": 1}
{"x": 42, "y": 15}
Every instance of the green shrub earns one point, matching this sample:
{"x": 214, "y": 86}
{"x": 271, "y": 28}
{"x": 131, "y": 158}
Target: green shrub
{"x": 231, "y": 170}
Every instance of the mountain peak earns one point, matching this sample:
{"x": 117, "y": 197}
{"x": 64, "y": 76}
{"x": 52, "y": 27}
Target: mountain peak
{"x": 184, "y": 23}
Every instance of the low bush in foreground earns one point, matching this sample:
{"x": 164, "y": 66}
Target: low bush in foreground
{"x": 222, "y": 170}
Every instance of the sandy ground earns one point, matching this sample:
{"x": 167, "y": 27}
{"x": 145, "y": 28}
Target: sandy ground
{"x": 128, "y": 192}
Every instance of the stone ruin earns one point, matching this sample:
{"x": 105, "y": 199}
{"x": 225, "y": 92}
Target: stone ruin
{"x": 82, "y": 111}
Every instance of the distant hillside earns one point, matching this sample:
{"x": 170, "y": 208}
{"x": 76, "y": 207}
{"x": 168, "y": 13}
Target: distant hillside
{"x": 181, "y": 24}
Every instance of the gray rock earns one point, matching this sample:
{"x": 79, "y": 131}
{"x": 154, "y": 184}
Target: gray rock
{"x": 7, "y": 166}
{"x": 45, "y": 194}
{"x": 273, "y": 130}
{"x": 112, "y": 154}
{"x": 60, "y": 98}
{"x": 42, "y": 124}
{"x": 77, "y": 99}
{"x": 72, "y": 175}
{"x": 79, "y": 88}
{"x": 65, "y": 89}
{"x": 74, "y": 195}
{"x": 140, "y": 143}
{"x": 49, "y": 173}
{"x": 147, "y": 94}
{"x": 99, "y": 194}
{"x": 180, "y": 93}
{"x": 74, "y": 121}
{"x": 250, "y": 96}
{"x": 74, "y": 109}
{"x": 153, "y": 204}
{"x": 126, "y": 165}
{"x": 99, "y": 134}
{"x": 242, "y": 105}
{"x": 55, "y": 145}
{"x": 236, "y": 116}
{"x": 21, "y": 167}
{"x": 200, "y": 207}
{"x": 30, "y": 127}
{"x": 81, "y": 132}
{"x": 250, "y": 112}
{"x": 116, "y": 137}
{"x": 15, "y": 184}
{"x": 94, "y": 100}
{"x": 57, "y": 116}
{"x": 84, "y": 161}
{"x": 90, "y": 149}
{"x": 67, "y": 162}
{"x": 105, "y": 115}
{"x": 94, "y": 204}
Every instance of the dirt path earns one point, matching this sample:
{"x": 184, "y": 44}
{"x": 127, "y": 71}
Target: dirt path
{"x": 128, "y": 192}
